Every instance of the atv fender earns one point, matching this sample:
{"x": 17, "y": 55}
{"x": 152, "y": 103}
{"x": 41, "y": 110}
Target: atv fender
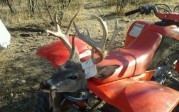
{"x": 129, "y": 95}
{"x": 57, "y": 53}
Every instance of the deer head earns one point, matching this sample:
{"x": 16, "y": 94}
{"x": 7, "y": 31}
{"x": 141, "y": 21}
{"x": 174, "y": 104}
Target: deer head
{"x": 70, "y": 77}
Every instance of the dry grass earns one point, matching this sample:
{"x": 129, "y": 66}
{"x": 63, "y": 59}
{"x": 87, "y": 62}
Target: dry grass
{"x": 24, "y": 16}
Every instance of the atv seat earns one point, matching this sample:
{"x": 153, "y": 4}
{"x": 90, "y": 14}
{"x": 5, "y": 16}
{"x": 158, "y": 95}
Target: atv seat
{"x": 133, "y": 59}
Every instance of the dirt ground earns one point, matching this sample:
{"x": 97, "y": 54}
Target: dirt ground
{"x": 21, "y": 69}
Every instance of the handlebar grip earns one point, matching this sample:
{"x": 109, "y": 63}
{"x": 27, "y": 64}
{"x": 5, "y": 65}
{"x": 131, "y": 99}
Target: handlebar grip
{"x": 132, "y": 12}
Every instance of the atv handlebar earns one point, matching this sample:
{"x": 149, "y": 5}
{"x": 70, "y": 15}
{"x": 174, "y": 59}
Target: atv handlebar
{"x": 132, "y": 12}
{"x": 146, "y": 9}
{"x": 167, "y": 15}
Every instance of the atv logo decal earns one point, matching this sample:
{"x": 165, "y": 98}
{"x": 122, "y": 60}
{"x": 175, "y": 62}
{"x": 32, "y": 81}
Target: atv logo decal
{"x": 136, "y": 30}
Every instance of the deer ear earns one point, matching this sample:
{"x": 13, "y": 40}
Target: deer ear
{"x": 106, "y": 71}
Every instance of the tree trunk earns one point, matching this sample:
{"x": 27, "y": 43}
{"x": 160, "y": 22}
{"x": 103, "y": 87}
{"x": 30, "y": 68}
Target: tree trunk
{"x": 9, "y": 3}
{"x": 32, "y": 4}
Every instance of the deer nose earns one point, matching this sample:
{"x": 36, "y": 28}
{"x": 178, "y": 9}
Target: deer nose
{"x": 44, "y": 85}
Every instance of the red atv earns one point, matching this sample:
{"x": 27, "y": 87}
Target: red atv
{"x": 93, "y": 78}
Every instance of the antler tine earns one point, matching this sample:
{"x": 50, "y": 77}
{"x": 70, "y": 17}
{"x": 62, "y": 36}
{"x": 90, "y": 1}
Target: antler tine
{"x": 64, "y": 38}
{"x": 116, "y": 31}
{"x": 55, "y": 21}
{"x": 69, "y": 25}
{"x": 105, "y": 31}
{"x": 59, "y": 33}
{"x": 98, "y": 46}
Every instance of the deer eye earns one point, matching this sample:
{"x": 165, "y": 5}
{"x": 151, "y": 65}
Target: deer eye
{"x": 73, "y": 77}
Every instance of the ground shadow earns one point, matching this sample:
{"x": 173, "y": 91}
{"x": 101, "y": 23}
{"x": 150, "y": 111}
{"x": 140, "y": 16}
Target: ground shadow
{"x": 20, "y": 78}
{"x": 28, "y": 28}
{"x": 26, "y": 104}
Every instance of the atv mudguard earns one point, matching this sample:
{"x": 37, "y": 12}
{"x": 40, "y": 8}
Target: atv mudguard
{"x": 129, "y": 95}
{"x": 57, "y": 53}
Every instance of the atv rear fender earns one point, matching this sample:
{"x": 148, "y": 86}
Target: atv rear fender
{"x": 129, "y": 95}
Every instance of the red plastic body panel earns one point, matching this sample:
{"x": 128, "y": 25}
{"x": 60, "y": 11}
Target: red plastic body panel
{"x": 57, "y": 53}
{"x": 173, "y": 16}
{"x": 177, "y": 66}
{"x": 146, "y": 76}
{"x": 136, "y": 96}
{"x": 130, "y": 38}
{"x": 167, "y": 30}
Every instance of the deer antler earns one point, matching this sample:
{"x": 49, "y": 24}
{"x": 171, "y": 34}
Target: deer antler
{"x": 116, "y": 31}
{"x": 100, "y": 46}
{"x": 64, "y": 37}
